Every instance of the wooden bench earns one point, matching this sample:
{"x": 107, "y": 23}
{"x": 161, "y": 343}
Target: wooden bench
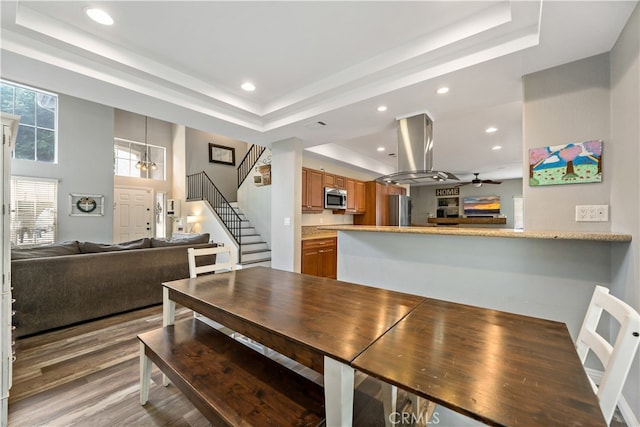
{"x": 229, "y": 383}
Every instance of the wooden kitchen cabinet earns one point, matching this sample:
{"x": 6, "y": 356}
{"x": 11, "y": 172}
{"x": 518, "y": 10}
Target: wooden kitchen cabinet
{"x": 312, "y": 190}
{"x": 356, "y": 196}
{"x": 334, "y": 181}
{"x": 320, "y": 257}
{"x": 377, "y": 203}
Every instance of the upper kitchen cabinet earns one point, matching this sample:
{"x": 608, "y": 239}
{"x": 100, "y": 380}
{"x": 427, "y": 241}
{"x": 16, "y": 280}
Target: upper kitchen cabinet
{"x": 356, "y": 196}
{"x": 312, "y": 191}
{"x": 334, "y": 181}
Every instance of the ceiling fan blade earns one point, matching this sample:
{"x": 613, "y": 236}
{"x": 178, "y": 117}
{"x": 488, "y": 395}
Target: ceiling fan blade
{"x": 490, "y": 181}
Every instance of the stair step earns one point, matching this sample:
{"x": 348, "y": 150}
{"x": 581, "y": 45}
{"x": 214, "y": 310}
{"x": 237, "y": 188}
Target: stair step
{"x": 247, "y": 231}
{"x": 257, "y": 251}
{"x": 248, "y": 239}
{"x": 255, "y": 255}
{"x": 266, "y": 263}
{"x": 255, "y": 261}
{"x": 253, "y": 246}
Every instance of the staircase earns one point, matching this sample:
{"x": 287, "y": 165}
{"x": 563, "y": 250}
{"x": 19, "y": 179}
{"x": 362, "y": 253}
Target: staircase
{"x": 254, "y": 251}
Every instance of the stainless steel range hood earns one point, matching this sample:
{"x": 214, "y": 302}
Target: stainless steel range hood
{"x": 415, "y": 154}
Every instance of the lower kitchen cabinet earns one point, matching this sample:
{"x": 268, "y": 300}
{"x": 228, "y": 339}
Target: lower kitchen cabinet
{"x": 320, "y": 257}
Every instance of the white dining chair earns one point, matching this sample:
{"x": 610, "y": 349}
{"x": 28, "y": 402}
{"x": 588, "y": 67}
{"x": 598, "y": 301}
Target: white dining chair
{"x": 225, "y": 260}
{"x": 225, "y": 263}
{"x": 615, "y": 355}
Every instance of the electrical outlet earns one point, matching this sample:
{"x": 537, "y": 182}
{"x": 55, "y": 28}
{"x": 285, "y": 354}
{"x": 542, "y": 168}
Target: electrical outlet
{"x": 592, "y": 213}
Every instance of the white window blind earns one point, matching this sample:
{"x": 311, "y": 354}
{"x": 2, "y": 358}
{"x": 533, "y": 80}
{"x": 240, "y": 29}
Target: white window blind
{"x": 34, "y": 215}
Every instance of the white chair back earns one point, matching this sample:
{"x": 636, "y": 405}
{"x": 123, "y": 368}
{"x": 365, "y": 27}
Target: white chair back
{"x": 225, "y": 260}
{"x": 617, "y": 358}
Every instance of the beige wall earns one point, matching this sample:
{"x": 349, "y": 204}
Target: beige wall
{"x": 197, "y": 160}
{"x": 562, "y": 105}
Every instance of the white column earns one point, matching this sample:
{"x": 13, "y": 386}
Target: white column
{"x": 286, "y": 201}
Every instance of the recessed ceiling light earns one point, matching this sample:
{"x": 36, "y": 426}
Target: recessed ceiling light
{"x": 382, "y": 108}
{"x": 248, "y": 86}
{"x": 491, "y": 129}
{"x": 380, "y": 148}
{"x": 99, "y": 16}
{"x": 496, "y": 147}
{"x": 442, "y": 90}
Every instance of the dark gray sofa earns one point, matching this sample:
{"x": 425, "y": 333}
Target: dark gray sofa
{"x": 71, "y": 282}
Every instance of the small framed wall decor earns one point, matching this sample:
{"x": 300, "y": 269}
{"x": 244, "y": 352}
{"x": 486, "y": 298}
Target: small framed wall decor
{"x": 222, "y": 154}
{"x": 86, "y": 204}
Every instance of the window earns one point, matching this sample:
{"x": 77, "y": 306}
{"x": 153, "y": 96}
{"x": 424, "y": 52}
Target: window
{"x": 34, "y": 211}
{"x": 38, "y": 111}
{"x": 128, "y": 153}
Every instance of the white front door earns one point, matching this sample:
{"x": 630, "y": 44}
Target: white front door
{"x": 132, "y": 216}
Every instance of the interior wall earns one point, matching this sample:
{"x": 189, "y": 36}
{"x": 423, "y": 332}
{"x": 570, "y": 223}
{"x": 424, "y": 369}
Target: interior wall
{"x": 255, "y": 201}
{"x": 197, "y": 160}
{"x": 423, "y": 199}
{"x": 85, "y": 165}
{"x": 624, "y": 158}
{"x": 567, "y": 104}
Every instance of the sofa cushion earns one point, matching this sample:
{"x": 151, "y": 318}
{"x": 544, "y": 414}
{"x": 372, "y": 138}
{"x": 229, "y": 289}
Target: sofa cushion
{"x": 89, "y": 247}
{"x": 182, "y": 241}
{"x": 43, "y": 251}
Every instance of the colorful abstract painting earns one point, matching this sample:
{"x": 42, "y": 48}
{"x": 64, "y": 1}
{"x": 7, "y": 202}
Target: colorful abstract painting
{"x": 566, "y": 164}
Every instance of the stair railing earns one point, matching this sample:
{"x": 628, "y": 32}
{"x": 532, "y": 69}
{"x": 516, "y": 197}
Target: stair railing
{"x": 248, "y": 162}
{"x": 201, "y": 187}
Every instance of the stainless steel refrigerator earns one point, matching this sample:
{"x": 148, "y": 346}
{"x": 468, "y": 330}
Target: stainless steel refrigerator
{"x": 399, "y": 210}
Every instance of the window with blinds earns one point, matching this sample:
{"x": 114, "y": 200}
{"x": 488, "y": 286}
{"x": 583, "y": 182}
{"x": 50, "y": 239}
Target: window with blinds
{"x": 34, "y": 204}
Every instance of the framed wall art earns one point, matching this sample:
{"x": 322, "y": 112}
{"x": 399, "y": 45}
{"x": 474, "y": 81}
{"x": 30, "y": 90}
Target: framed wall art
{"x": 566, "y": 164}
{"x": 221, "y": 154}
{"x": 86, "y": 204}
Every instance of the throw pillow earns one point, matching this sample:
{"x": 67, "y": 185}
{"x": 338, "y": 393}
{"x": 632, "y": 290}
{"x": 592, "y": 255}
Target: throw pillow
{"x": 182, "y": 241}
{"x": 89, "y": 247}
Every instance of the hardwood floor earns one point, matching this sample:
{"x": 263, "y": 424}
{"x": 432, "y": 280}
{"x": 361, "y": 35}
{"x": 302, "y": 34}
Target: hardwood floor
{"x": 88, "y": 375}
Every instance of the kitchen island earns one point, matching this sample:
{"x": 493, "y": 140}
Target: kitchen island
{"x": 547, "y": 274}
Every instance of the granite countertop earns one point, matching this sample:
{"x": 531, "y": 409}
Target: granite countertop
{"x": 485, "y": 232}
{"x": 314, "y": 232}
{"x": 321, "y": 235}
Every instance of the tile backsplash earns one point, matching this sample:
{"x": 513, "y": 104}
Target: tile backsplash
{"x": 327, "y": 217}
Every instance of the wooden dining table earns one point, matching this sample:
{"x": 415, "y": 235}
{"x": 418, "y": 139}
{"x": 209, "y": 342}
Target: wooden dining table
{"x": 499, "y": 368}
{"x": 321, "y": 323}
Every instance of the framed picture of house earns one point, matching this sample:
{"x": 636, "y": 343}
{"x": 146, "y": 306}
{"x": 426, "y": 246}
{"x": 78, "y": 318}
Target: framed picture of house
{"x": 222, "y": 154}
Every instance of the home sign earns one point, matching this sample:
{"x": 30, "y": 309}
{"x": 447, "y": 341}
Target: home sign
{"x": 453, "y": 191}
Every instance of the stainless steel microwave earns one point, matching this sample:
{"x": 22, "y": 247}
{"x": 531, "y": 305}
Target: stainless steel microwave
{"x": 334, "y": 198}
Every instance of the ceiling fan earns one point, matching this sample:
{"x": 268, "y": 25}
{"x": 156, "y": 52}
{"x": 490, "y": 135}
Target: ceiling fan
{"x": 477, "y": 182}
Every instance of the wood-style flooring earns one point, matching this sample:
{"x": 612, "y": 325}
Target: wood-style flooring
{"x": 88, "y": 375}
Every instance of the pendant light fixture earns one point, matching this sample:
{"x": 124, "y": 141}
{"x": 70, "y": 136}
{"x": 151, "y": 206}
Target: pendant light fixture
{"x": 144, "y": 163}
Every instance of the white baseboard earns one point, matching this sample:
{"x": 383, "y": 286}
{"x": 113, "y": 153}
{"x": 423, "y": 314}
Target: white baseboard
{"x": 626, "y": 411}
